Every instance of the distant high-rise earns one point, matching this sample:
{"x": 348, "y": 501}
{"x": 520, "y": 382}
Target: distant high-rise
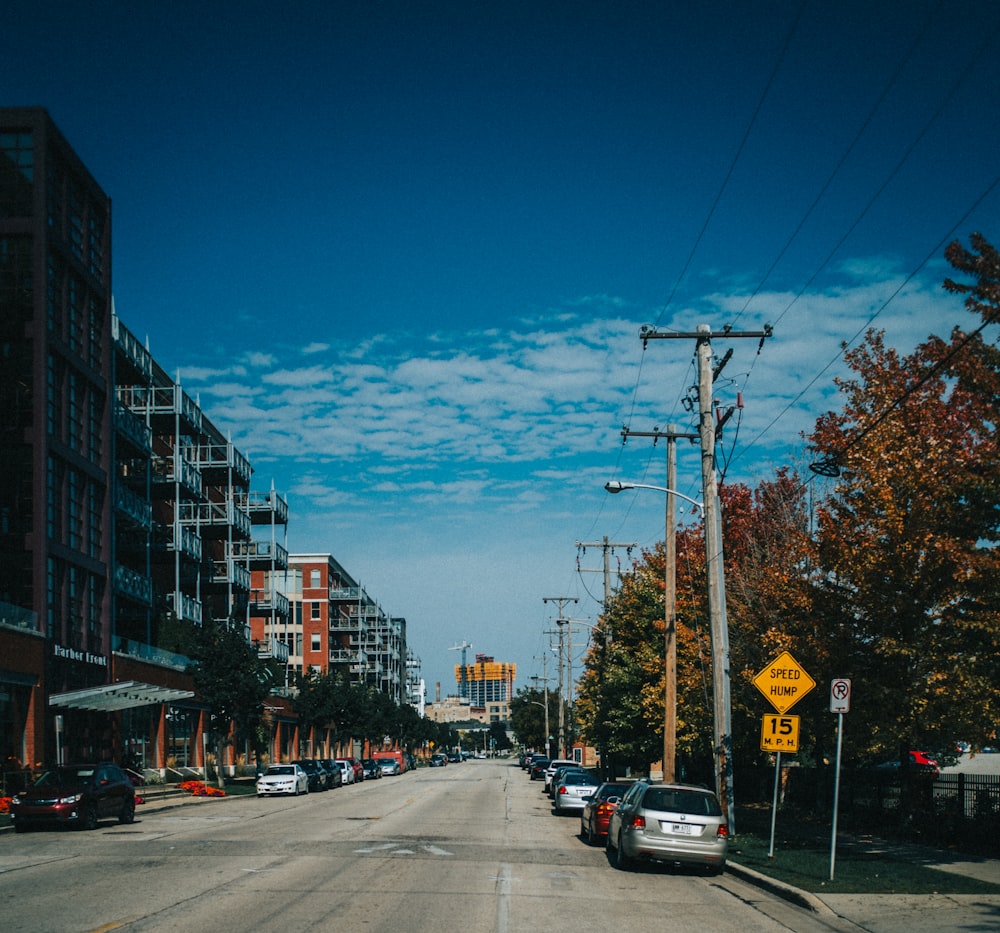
{"x": 488, "y": 683}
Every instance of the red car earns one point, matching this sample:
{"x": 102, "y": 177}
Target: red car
{"x": 921, "y": 763}
{"x": 359, "y": 770}
{"x": 75, "y": 795}
{"x": 597, "y": 811}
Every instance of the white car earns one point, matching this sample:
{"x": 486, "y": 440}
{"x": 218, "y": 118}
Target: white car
{"x": 283, "y": 779}
{"x": 346, "y": 771}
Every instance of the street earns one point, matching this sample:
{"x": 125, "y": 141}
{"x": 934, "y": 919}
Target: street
{"x": 470, "y": 847}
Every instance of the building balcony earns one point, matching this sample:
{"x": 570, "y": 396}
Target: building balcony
{"x": 133, "y": 585}
{"x": 130, "y": 426}
{"x": 152, "y": 654}
{"x": 218, "y": 516}
{"x": 272, "y": 649}
{"x": 344, "y": 624}
{"x": 134, "y": 507}
{"x": 223, "y": 457}
{"x": 264, "y": 603}
{"x": 266, "y": 508}
{"x": 344, "y": 656}
{"x": 176, "y": 470}
{"x": 229, "y": 572}
{"x": 130, "y": 347}
{"x": 345, "y": 594}
{"x": 161, "y": 402}
{"x": 184, "y": 540}
{"x": 184, "y": 607}
{"x": 262, "y": 555}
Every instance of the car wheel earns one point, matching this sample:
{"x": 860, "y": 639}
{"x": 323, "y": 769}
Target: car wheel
{"x": 127, "y": 814}
{"x": 90, "y": 817}
{"x": 622, "y": 861}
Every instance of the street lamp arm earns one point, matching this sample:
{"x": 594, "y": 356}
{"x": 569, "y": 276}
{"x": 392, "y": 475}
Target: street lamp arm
{"x": 615, "y": 487}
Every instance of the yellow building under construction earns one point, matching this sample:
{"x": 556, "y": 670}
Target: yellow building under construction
{"x": 487, "y": 683}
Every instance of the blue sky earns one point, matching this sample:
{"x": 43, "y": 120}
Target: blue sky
{"x": 402, "y": 251}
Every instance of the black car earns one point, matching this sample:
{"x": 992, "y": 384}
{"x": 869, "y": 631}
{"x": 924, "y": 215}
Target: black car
{"x": 314, "y": 772}
{"x": 334, "y": 776}
{"x": 75, "y": 795}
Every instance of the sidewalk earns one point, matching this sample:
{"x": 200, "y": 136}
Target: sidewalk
{"x": 900, "y": 913}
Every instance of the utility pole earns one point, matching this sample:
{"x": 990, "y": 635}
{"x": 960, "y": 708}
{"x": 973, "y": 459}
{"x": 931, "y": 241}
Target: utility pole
{"x": 669, "y": 599}
{"x": 721, "y": 700}
{"x": 608, "y": 547}
{"x": 545, "y": 686}
{"x": 561, "y": 602}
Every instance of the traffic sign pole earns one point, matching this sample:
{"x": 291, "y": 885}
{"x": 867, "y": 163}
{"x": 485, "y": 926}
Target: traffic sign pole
{"x": 840, "y": 703}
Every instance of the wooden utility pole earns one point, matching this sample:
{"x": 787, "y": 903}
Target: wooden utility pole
{"x": 721, "y": 700}
{"x": 560, "y": 621}
{"x": 608, "y": 548}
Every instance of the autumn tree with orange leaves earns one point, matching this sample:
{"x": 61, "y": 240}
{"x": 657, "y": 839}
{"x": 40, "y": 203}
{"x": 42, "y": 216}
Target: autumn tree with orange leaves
{"x": 910, "y": 591}
{"x": 891, "y": 578}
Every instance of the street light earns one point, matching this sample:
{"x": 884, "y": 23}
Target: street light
{"x": 616, "y": 487}
{"x": 669, "y": 625}
{"x": 720, "y": 642}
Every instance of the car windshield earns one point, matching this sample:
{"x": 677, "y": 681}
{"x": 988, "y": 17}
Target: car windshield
{"x": 281, "y": 769}
{"x": 681, "y": 801}
{"x": 59, "y": 777}
{"x": 613, "y": 790}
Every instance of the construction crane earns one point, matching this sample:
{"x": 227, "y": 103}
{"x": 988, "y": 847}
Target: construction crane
{"x": 463, "y": 681}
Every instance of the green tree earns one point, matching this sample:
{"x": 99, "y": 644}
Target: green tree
{"x": 233, "y": 682}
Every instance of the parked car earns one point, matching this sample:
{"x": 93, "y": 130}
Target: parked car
{"x": 372, "y": 769}
{"x": 558, "y": 775}
{"x": 597, "y": 810}
{"x": 921, "y": 763}
{"x": 75, "y": 795}
{"x": 334, "y": 776}
{"x": 359, "y": 769}
{"x": 537, "y": 771}
{"x": 283, "y": 779}
{"x": 438, "y": 761}
{"x": 675, "y": 823}
{"x": 455, "y": 758}
{"x": 388, "y": 766}
{"x": 346, "y": 770}
{"x": 554, "y": 765}
{"x": 570, "y": 792}
{"x": 315, "y": 774}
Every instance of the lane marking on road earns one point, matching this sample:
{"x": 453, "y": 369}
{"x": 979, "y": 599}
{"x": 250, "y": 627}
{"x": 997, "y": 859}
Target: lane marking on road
{"x": 503, "y": 899}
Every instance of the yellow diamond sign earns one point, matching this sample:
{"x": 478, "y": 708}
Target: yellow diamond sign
{"x": 783, "y": 682}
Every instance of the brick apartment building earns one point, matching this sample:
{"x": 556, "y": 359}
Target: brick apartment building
{"x": 123, "y": 506}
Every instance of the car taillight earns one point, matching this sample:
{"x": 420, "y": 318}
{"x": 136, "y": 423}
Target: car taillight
{"x": 638, "y": 822}
{"x": 722, "y": 831}
{"x": 604, "y": 809}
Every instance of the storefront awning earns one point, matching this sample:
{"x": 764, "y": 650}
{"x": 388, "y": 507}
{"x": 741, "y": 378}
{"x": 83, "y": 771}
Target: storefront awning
{"x": 125, "y": 695}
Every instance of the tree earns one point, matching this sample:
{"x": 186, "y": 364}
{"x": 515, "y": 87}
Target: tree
{"x": 907, "y": 538}
{"x": 527, "y": 715}
{"x": 233, "y": 682}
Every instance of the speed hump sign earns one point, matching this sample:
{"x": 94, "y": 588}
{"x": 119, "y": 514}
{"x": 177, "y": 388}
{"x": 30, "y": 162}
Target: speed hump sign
{"x": 779, "y": 733}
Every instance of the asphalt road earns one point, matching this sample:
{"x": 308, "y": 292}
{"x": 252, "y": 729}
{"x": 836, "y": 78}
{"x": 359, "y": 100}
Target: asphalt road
{"x": 470, "y": 847}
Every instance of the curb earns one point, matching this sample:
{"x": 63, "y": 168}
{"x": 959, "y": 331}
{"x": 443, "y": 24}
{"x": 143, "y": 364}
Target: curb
{"x": 779, "y": 888}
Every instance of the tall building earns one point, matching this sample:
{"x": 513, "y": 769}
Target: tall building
{"x": 56, "y": 387}
{"x": 489, "y": 684}
{"x": 122, "y": 505}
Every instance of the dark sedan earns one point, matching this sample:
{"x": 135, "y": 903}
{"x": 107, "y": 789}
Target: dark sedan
{"x": 76, "y": 795}
{"x": 315, "y": 773}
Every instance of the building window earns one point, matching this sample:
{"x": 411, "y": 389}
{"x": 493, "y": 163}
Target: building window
{"x": 315, "y": 578}
{"x": 314, "y": 642}
{"x": 315, "y": 611}
{"x": 17, "y": 153}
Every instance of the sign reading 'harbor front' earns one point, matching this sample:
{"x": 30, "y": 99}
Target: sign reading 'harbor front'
{"x": 783, "y": 682}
